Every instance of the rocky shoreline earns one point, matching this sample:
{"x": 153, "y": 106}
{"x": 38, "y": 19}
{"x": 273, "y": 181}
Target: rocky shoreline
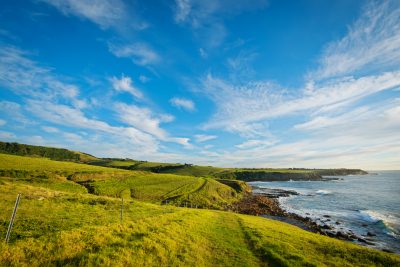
{"x": 265, "y": 203}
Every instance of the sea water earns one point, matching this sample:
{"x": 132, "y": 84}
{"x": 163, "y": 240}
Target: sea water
{"x": 360, "y": 203}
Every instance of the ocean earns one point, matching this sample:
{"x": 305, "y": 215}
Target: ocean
{"x": 363, "y": 204}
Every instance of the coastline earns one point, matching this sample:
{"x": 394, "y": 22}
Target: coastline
{"x": 265, "y": 203}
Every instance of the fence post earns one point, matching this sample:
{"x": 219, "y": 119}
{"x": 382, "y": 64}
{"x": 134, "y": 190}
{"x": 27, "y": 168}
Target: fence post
{"x": 12, "y": 218}
{"x": 122, "y": 208}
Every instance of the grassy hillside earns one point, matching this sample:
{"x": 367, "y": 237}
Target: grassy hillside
{"x": 59, "y": 223}
{"x": 244, "y": 174}
{"x": 113, "y": 182}
{"x": 68, "y": 229}
{"x": 45, "y": 152}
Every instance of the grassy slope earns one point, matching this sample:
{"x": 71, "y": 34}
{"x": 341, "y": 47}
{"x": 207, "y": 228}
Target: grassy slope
{"x": 115, "y": 182}
{"x": 184, "y": 169}
{"x": 47, "y": 152}
{"x": 64, "y": 225}
{"x": 62, "y": 228}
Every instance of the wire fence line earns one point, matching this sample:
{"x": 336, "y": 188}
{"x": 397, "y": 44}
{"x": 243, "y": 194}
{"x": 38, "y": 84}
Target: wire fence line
{"x": 34, "y": 217}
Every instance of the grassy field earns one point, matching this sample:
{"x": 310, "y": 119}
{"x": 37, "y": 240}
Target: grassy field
{"x": 112, "y": 182}
{"x": 73, "y": 229}
{"x": 185, "y": 169}
{"x": 59, "y": 223}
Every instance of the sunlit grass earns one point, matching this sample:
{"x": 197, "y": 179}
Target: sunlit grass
{"x": 59, "y": 224}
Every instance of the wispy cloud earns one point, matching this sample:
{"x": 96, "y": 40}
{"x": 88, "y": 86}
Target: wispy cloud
{"x": 105, "y": 13}
{"x": 146, "y": 121}
{"x": 183, "y": 103}
{"x": 50, "y": 129}
{"x": 2, "y": 122}
{"x": 183, "y": 8}
{"x": 125, "y": 84}
{"x": 7, "y": 136}
{"x": 141, "y": 118}
{"x": 203, "y": 53}
{"x": 337, "y": 131}
{"x": 348, "y": 141}
{"x": 144, "y": 78}
{"x": 205, "y": 17}
{"x": 204, "y": 137}
{"x": 28, "y": 78}
{"x": 51, "y": 100}
{"x": 140, "y": 53}
{"x": 253, "y": 143}
{"x": 68, "y": 116}
{"x": 14, "y": 110}
{"x": 372, "y": 43}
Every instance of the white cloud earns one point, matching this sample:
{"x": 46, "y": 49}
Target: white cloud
{"x": 124, "y": 84}
{"x": 372, "y": 43}
{"x": 7, "y": 136}
{"x": 144, "y": 120}
{"x": 47, "y": 97}
{"x": 141, "y": 118}
{"x": 73, "y": 138}
{"x": 203, "y": 53}
{"x": 105, "y": 13}
{"x": 241, "y": 105}
{"x": 204, "y": 137}
{"x": 337, "y": 133}
{"x": 206, "y": 17}
{"x": 144, "y": 78}
{"x": 72, "y": 117}
{"x": 373, "y": 40}
{"x": 182, "y": 10}
{"x": 140, "y": 53}
{"x": 50, "y": 129}
{"x": 14, "y": 111}
{"x": 378, "y": 120}
{"x": 27, "y": 78}
{"x": 2, "y": 122}
{"x": 252, "y": 143}
{"x": 183, "y": 103}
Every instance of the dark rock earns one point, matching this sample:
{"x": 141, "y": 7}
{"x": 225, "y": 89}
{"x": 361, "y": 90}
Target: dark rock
{"x": 353, "y": 236}
{"x": 342, "y": 235}
{"x": 371, "y": 234}
{"x": 326, "y": 216}
{"x": 364, "y": 225}
{"x": 273, "y": 193}
{"x": 362, "y": 240}
{"x": 337, "y": 223}
{"x": 325, "y": 226}
{"x": 330, "y": 233}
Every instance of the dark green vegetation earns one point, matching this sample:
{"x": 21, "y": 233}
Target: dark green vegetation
{"x": 45, "y": 152}
{"x": 69, "y": 215}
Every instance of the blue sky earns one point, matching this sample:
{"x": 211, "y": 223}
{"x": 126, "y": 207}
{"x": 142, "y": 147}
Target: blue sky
{"x": 256, "y": 83}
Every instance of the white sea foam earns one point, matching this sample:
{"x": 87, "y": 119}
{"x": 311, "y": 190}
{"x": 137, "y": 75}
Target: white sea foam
{"x": 323, "y": 192}
{"x": 391, "y": 222}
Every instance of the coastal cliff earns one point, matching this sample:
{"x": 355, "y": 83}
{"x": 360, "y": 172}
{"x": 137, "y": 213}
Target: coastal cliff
{"x": 249, "y": 176}
{"x": 294, "y": 175}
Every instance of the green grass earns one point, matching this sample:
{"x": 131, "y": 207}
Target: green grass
{"x": 192, "y": 170}
{"x": 112, "y": 182}
{"x": 10, "y": 162}
{"x": 69, "y": 229}
{"x": 59, "y": 224}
